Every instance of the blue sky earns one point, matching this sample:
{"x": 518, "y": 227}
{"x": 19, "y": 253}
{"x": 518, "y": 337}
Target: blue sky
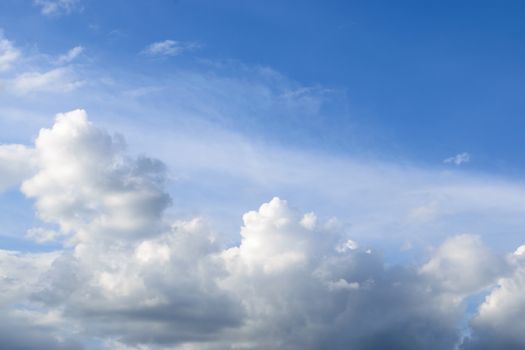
{"x": 421, "y": 80}
{"x": 405, "y": 85}
{"x": 199, "y": 174}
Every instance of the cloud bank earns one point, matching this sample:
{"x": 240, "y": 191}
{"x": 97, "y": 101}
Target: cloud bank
{"x": 129, "y": 277}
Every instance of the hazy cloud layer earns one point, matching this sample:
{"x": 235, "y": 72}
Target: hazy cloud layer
{"x": 8, "y": 52}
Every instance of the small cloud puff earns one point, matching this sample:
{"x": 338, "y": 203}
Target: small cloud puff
{"x": 169, "y": 48}
{"x": 458, "y": 159}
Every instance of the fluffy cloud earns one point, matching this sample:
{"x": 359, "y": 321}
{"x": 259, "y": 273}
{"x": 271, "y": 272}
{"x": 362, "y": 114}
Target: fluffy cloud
{"x": 499, "y": 323}
{"x": 144, "y": 277}
{"x": 462, "y": 264}
{"x": 129, "y": 278}
{"x": 297, "y": 284}
{"x": 88, "y": 187}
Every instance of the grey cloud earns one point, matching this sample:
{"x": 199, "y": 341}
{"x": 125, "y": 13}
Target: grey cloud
{"x": 16, "y": 334}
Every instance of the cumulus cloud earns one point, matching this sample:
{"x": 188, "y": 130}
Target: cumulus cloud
{"x": 130, "y": 278}
{"x": 458, "y": 159}
{"x": 462, "y": 264}
{"x": 169, "y": 48}
{"x": 57, "y": 7}
{"x": 8, "y": 53}
{"x": 87, "y": 186}
{"x": 499, "y": 322}
{"x": 298, "y": 286}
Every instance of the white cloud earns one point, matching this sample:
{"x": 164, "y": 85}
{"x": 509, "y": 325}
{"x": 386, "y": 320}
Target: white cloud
{"x": 58, "y": 80}
{"x": 8, "y": 53}
{"x": 70, "y": 56}
{"x": 462, "y": 264}
{"x": 169, "y": 48}
{"x": 249, "y": 169}
{"x": 135, "y": 279}
{"x": 298, "y": 285}
{"x": 132, "y": 278}
{"x": 458, "y": 159}
{"x": 499, "y": 322}
{"x": 69, "y": 190}
{"x": 57, "y": 7}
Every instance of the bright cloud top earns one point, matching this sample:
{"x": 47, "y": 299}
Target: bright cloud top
{"x": 127, "y": 277}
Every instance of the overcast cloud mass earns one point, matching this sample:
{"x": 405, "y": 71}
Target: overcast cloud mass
{"x": 159, "y": 193}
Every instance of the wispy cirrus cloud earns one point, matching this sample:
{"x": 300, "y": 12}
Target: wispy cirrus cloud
{"x": 8, "y": 52}
{"x": 169, "y": 48}
{"x": 458, "y": 159}
{"x": 57, "y": 7}
{"x": 62, "y": 79}
{"x": 70, "y": 56}
{"x": 36, "y": 72}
